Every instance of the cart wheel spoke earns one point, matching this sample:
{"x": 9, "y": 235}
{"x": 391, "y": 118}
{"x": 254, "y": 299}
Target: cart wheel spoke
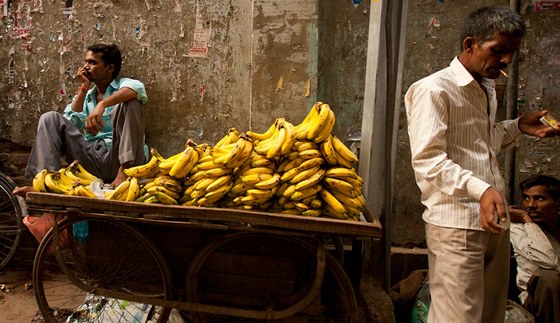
{"x": 10, "y": 221}
{"x": 80, "y": 277}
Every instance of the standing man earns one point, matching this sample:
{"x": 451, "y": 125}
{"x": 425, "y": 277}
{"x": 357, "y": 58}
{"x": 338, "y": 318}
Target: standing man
{"x": 454, "y": 140}
{"x": 103, "y": 127}
{"x": 535, "y": 236}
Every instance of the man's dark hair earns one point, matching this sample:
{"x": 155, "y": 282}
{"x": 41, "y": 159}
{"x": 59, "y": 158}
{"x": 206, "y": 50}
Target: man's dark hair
{"x": 482, "y": 23}
{"x": 551, "y": 183}
{"x": 110, "y": 54}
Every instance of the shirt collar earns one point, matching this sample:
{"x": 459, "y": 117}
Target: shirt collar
{"x": 463, "y": 76}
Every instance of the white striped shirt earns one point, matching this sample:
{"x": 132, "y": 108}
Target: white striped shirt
{"x": 533, "y": 249}
{"x": 454, "y": 140}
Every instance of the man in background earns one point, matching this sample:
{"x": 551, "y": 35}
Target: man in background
{"x": 535, "y": 237}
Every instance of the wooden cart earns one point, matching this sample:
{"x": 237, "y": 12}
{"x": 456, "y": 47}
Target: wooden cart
{"x": 216, "y": 265}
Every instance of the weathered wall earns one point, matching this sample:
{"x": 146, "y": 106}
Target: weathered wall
{"x": 262, "y": 62}
{"x": 432, "y": 41}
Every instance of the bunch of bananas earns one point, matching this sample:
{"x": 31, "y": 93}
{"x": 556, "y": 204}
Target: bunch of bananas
{"x": 276, "y": 141}
{"x": 343, "y": 193}
{"x": 317, "y": 125}
{"x": 336, "y": 153}
{"x": 71, "y": 180}
{"x": 255, "y": 183}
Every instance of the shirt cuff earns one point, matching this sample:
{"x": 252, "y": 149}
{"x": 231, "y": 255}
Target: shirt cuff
{"x": 476, "y": 187}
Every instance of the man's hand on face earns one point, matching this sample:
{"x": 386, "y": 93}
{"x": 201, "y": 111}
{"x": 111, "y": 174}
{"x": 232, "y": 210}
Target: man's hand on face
{"x": 82, "y": 75}
{"x": 517, "y": 215}
{"x": 94, "y": 122}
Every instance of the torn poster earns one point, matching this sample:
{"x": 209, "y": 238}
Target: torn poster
{"x": 550, "y": 4}
{"x": 68, "y": 8}
{"x": 201, "y": 37}
{"x": 11, "y": 67}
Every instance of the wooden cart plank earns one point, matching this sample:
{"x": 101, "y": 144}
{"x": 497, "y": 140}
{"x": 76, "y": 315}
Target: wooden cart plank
{"x": 175, "y": 212}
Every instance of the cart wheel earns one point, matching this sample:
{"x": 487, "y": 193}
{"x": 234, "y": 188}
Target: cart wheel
{"x": 264, "y": 272}
{"x": 109, "y": 276}
{"x": 10, "y": 221}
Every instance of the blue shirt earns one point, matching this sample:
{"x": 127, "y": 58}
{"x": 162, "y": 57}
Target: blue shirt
{"x": 90, "y": 101}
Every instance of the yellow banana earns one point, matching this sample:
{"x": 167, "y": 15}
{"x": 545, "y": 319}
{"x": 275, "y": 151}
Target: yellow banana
{"x": 303, "y": 128}
{"x": 80, "y": 171}
{"x": 277, "y": 146}
{"x": 326, "y": 128}
{"x": 305, "y": 193}
{"x": 341, "y": 172}
{"x": 316, "y": 203}
{"x": 168, "y": 182}
{"x": 354, "y": 182}
{"x": 65, "y": 180}
{"x": 230, "y": 137}
{"x": 133, "y": 189}
{"x": 344, "y": 151}
{"x": 218, "y": 183}
{"x": 185, "y": 163}
{"x": 165, "y": 199}
{"x": 280, "y": 192}
{"x": 311, "y": 212}
{"x": 301, "y": 206}
{"x": 143, "y": 197}
{"x": 305, "y": 145}
{"x": 290, "y": 190}
{"x": 258, "y": 170}
{"x": 243, "y": 156}
{"x": 341, "y": 186}
{"x": 251, "y": 200}
{"x": 310, "y": 154}
{"x": 353, "y": 202}
{"x": 167, "y": 163}
{"x": 264, "y": 162}
{"x": 39, "y": 181}
{"x": 216, "y": 172}
{"x": 85, "y": 191}
{"x": 154, "y": 189}
{"x": 270, "y": 183}
{"x": 263, "y": 136}
{"x": 143, "y": 171}
{"x": 255, "y": 178}
{"x": 292, "y": 164}
{"x": 151, "y": 199}
{"x": 74, "y": 173}
{"x": 319, "y": 121}
{"x": 215, "y": 195}
{"x": 290, "y": 138}
{"x": 289, "y": 174}
{"x": 293, "y": 155}
{"x": 310, "y": 163}
{"x": 121, "y": 189}
{"x": 328, "y": 150}
{"x": 54, "y": 185}
{"x": 260, "y": 194}
{"x": 305, "y": 174}
{"x": 202, "y": 184}
{"x": 311, "y": 180}
{"x": 332, "y": 202}
{"x": 291, "y": 212}
{"x": 232, "y": 154}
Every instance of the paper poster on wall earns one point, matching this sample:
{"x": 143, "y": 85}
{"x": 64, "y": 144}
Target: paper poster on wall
{"x": 201, "y": 37}
{"x": 550, "y": 4}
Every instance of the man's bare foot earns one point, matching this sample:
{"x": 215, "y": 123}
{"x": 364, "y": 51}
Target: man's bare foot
{"x": 121, "y": 176}
{"x": 22, "y": 191}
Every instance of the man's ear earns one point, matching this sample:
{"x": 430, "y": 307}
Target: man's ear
{"x": 468, "y": 44}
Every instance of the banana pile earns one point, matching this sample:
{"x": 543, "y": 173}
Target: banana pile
{"x": 71, "y": 180}
{"x": 299, "y": 169}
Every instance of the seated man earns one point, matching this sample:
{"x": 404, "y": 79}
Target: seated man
{"x": 535, "y": 236}
{"x": 103, "y": 127}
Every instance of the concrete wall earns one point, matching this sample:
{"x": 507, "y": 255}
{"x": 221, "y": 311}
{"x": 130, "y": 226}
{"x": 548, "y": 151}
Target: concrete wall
{"x": 262, "y": 62}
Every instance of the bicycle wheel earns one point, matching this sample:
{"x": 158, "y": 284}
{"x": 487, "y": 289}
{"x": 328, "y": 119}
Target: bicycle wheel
{"x": 110, "y": 276}
{"x": 10, "y": 221}
{"x": 267, "y": 272}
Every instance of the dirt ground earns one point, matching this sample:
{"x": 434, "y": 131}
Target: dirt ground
{"x": 17, "y": 302}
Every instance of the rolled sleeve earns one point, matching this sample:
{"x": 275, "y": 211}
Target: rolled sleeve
{"x": 137, "y": 87}
{"x": 77, "y": 118}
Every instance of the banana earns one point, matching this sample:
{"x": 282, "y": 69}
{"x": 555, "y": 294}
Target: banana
{"x": 260, "y": 194}
{"x": 301, "y": 206}
{"x": 196, "y": 194}
{"x": 154, "y": 189}
{"x": 255, "y": 178}
{"x": 328, "y": 150}
{"x": 290, "y": 138}
{"x": 303, "y": 128}
{"x": 344, "y": 151}
{"x": 65, "y": 180}
{"x": 319, "y": 121}
{"x": 280, "y": 192}
{"x": 292, "y": 164}
{"x": 39, "y": 181}
{"x": 311, "y": 180}
{"x": 305, "y": 193}
{"x": 270, "y": 183}
{"x": 216, "y": 172}
{"x": 151, "y": 199}
{"x": 341, "y": 160}
{"x": 165, "y": 199}
{"x": 312, "y": 212}
{"x": 143, "y": 197}
{"x": 354, "y": 182}
{"x": 231, "y": 136}
{"x": 54, "y": 185}
{"x": 353, "y": 202}
{"x": 289, "y": 174}
{"x": 75, "y": 178}
{"x": 74, "y": 173}
{"x": 121, "y": 189}
{"x": 305, "y": 174}
{"x": 341, "y": 172}
{"x": 315, "y": 203}
{"x": 216, "y": 194}
{"x": 147, "y": 170}
{"x": 184, "y": 163}
{"x": 326, "y": 128}
{"x": 251, "y": 200}
{"x": 80, "y": 171}
{"x": 243, "y": 156}
{"x": 334, "y": 204}
{"x": 263, "y": 136}
{"x": 264, "y": 162}
{"x": 133, "y": 189}
{"x": 290, "y": 190}
{"x": 291, "y": 212}
{"x": 310, "y": 163}
{"x": 206, "y": 166}
{"x": 232, "y": 154}
{"x": 167, "y": 163}
{"x": 305, "y": 145}
{"x": 85, "y": 191}
{"x": 168, "y": 182}
{"x": 293, "y": 155}
{"x": 341, "y": 186}
{"x": 258, "y": 170}
{"x": 278, "y": 142}
{"x": 310, "y": 154}
{"x": 202, "y": 184}
{"x": 218, "y": 183}
{"x": 221, "y": 151}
